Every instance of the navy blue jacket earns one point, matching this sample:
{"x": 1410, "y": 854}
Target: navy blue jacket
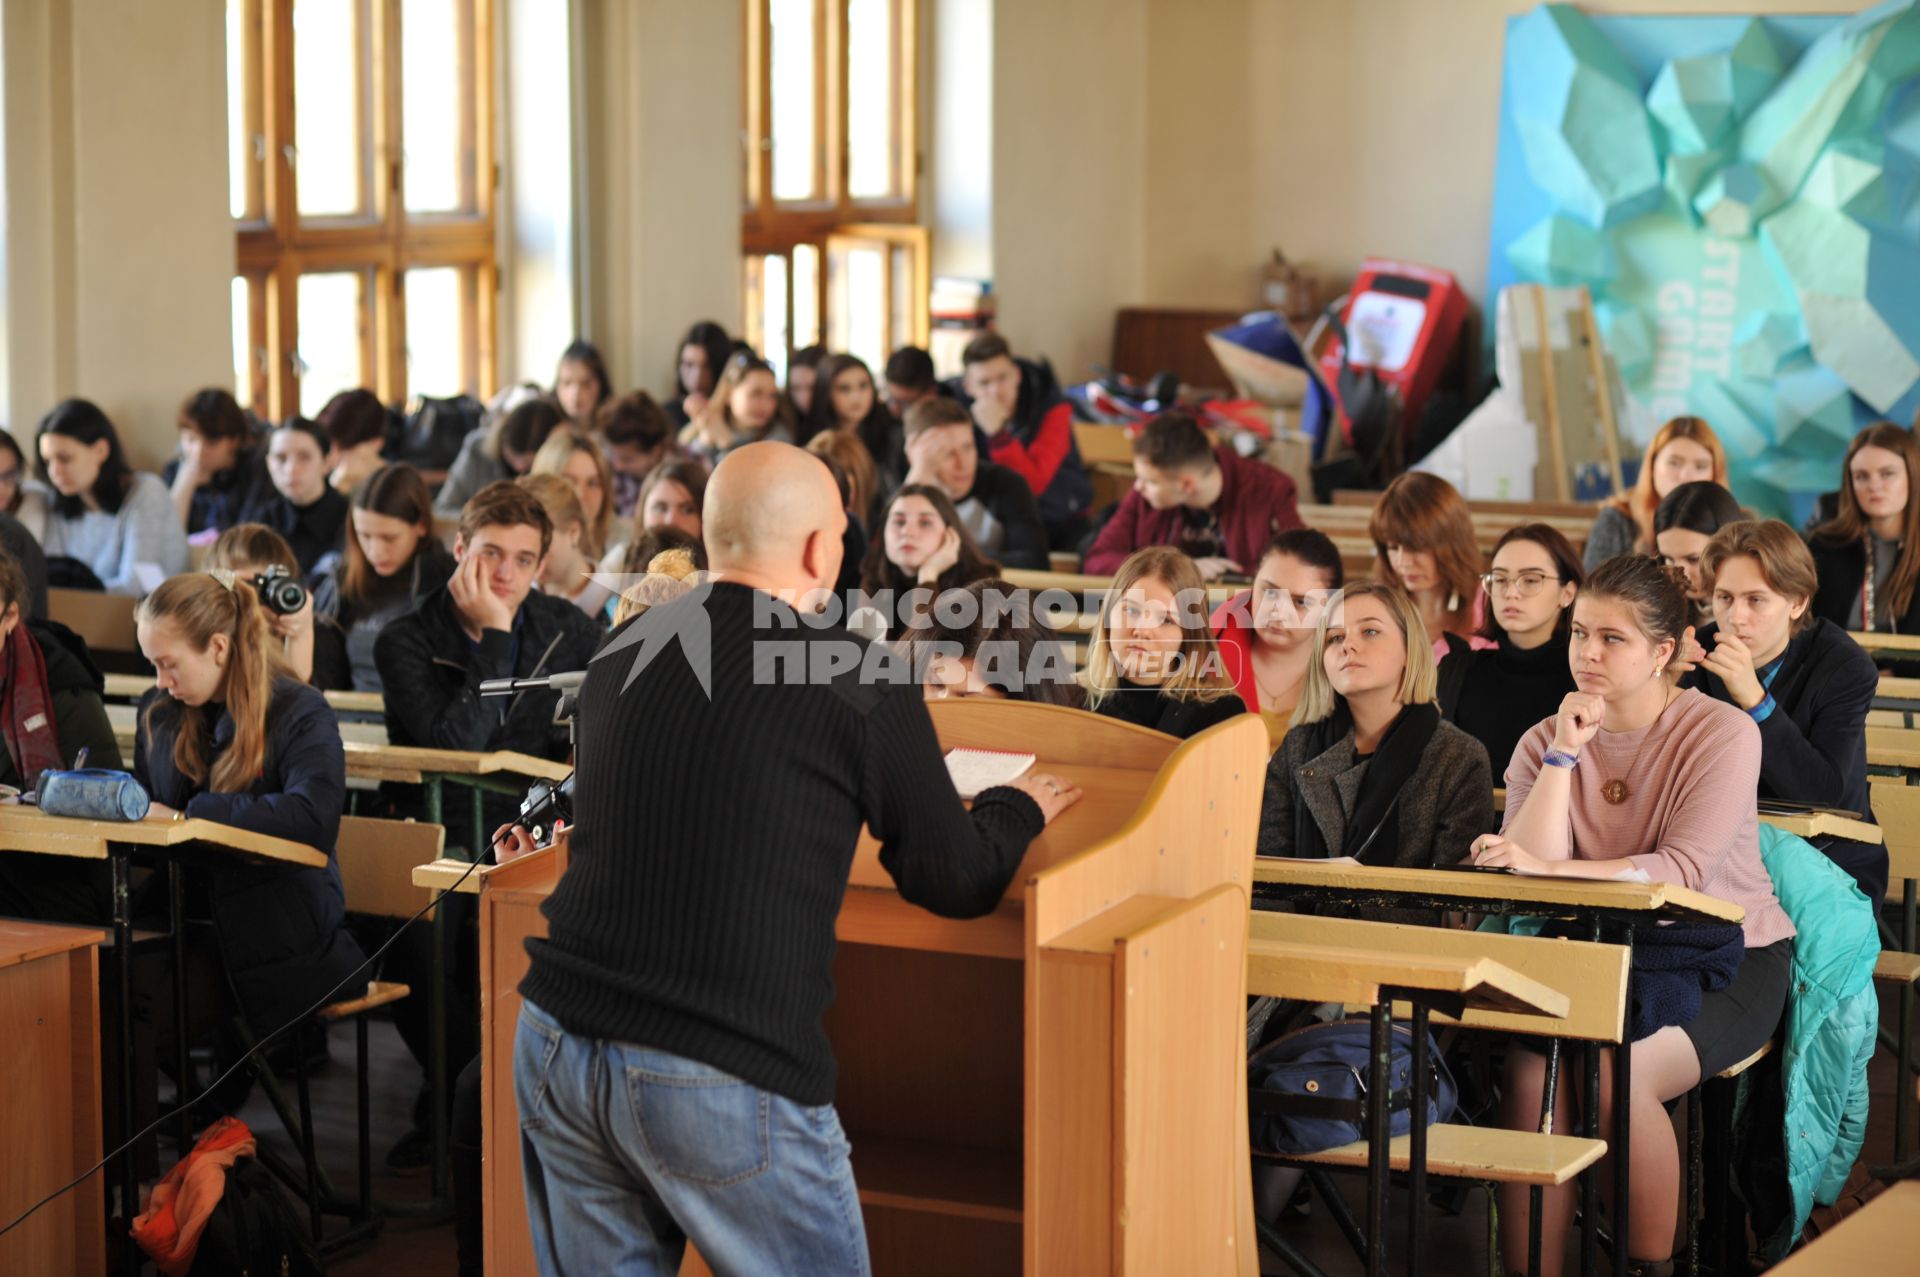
{"x": 281, "y": 929}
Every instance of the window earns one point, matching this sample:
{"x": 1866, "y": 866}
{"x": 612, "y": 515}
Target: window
{"x": 360, "y": 152}
{"x": 833, "y": 247}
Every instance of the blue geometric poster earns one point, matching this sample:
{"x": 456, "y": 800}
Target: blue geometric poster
{"x": 1740, "y": 195}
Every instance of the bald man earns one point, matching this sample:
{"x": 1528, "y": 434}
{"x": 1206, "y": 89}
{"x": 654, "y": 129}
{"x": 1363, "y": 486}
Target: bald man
{"x": 674, "y": 1076}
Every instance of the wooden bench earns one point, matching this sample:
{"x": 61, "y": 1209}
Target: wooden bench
{"x": 1522, "y": 511}
{"x": 1871, "y": 1240}
{"x": 1897, "y": 807}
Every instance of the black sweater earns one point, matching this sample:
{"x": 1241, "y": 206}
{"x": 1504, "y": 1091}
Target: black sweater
{"x": 716, "y": 831}
{"x": 1506, "y": 692}
{"x": 1152, "y": 708}
{"x": 1813, "y": 746}
{"x": 1842, "y": 567}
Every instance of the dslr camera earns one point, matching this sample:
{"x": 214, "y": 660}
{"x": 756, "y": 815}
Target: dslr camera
{"x": 279, "y": 592}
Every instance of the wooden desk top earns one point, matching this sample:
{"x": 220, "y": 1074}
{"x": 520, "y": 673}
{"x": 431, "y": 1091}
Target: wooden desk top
{"x": 1868, "y": 1241}
{"x": 1878, "y": 641}
{"x": 32, "y": 830}
{"x": 1468, "y": 890}
{"x": 24, "y": 941}
{"x": 1811, "y": 825}
{"x": 413, "y": 763}
{"x": 1080, "y": 583}
{"x": 131, "y": 687}
{"x": 1317, "y": 973}
{"x": 447, "y": 874}
{"x": 1898, "y": 689}
{"x": 1893, "y": 747}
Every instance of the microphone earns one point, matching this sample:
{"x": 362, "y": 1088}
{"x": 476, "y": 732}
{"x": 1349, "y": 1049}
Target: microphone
{"x": 566, "y": 684}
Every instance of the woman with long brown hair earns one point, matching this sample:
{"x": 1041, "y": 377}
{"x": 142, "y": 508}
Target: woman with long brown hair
{"x": 1423, "y": 542}
{"x": 1507, "y": 688}
{"x": 574, "y": 456}
{"x": 745, "y": 407}
{"x": 1685, "y": 450}
{"x": 846, "y": 399}
{"x": 1868, "y": 555}
{"x": 392, "y": 558}
{"x": 920, "y": 550}
{"x": 1154, "y": 661}
{"x": 228, "y": 734}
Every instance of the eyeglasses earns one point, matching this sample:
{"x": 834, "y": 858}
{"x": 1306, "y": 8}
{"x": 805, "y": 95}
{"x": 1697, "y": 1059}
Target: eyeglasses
{"x": 1524, "y": 584}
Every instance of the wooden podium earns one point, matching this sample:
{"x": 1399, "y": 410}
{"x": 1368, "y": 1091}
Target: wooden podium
{"x": 1058, "y": 1087}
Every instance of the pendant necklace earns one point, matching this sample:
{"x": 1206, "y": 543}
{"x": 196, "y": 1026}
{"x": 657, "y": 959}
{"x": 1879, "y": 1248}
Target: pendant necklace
{"x": 1615, "y": 791}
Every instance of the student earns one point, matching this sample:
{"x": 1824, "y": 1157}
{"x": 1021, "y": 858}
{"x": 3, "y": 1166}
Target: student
{"x": 1423, "y": 542}
{"x": 1153, "y": 661}
{"x": 488, "y": 622}
{"x": 1369, "y": 769}
{"x": 1682, "y": 524}
{"x": 1799, "y": 676}
{"x": 672, "y": 497}
{"x": 1028, "y": 425}
{"x": 1266, "y": 634}
{"x": 994, "y": 503}
{"x": 228, "y": 735}
{"x": 121, "y": 525}
{"x": 1508, "y": 688}
{"x": 14, "y": 492}
{"x": 703, "y": 352}
{"x": 853, "y": 541}
{"x": 745, "y": 408}
{"x": 575, "y": 457}
{"x": 581, "y": 384}
{"x": 1636, "y": 776}
{"x": 313, "y": 647}
{"x": 990, "y": 645}
{"x": 567, "y": 572}
{"x": 847, "y": 401}
{"x": 1213, "y": 505}
{"x": 638, "y": 436}
{"x": 1868, "y": 555}
{"x": 355, "y": 423}
{"x": 218, "y": 469}
{"x": 300, "y": 505}
{"x": 920, "y": 550}
{"x": 909, "y": 379}
{"x": 392, "y": 561}
{"x": 1685, "y": 450}
{"x": 503, "y": 450}
{"x": 802, "y": 376}
{"x": 845, "y": 450}
{"x": 50, "y": 714}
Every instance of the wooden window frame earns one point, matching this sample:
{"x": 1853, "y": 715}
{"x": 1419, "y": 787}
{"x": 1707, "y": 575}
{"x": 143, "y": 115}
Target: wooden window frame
{"x": 274, "y": 248}
{"x": 774, "y": 228}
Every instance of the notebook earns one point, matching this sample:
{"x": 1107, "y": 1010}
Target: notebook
{"x": 975, "y": 770}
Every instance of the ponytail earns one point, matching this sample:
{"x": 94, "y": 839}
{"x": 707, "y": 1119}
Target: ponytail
{"x": 201, "y": 605}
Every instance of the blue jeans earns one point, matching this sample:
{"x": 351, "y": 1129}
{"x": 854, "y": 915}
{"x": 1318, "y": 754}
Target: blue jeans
{"x": 629, "y": 1152}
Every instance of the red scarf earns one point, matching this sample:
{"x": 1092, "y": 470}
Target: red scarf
{"x": 26, "y": 708}
{"x": 179, "y": 1206}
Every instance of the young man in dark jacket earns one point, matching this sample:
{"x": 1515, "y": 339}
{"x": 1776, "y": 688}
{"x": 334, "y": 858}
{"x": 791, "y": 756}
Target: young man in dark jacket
{"x": 1028, "y": 426}
{"x": 1219, "y": 507}
{"x": 994, "y": 502}
{"x": 487, "y": 623}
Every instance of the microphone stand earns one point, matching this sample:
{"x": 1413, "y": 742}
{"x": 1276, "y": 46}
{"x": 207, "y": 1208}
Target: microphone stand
{"x": 546, "y": 803}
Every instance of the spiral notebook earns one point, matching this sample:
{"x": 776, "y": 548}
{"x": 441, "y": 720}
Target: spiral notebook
{"x": 976, "y": 770}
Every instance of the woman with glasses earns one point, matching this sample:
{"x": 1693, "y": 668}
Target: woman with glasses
{"x": 1523, "y": 678}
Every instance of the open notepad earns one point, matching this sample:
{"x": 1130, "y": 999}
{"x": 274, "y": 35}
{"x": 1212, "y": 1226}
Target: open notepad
{"x": 975, "y": 770}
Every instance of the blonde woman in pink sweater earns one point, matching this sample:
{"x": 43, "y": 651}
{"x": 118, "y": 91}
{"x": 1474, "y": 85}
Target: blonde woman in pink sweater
{"x": 1636, "y": 776}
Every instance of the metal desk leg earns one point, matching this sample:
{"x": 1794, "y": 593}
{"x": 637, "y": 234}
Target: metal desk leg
{"x": 1379, "y": 1126}
{"x": 122, "y": 880}
{"x": 1536, "y": 1195}
{"x": 183, "y": 1058}
{"x": 1622, "y": 1131}
{"x": 1417, "y": 1146}
{"x": 1903, "y": 1087}
{"x": 1589, "y": 1187}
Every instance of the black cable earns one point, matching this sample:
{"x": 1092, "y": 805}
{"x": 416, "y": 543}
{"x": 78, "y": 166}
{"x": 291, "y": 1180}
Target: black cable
{"x": 255, "y": 1049}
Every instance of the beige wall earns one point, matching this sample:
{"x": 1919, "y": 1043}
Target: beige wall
{"x": 1334, "y": 131}
{"x": 661, "y": 181}
{"x": 118, "y": 248}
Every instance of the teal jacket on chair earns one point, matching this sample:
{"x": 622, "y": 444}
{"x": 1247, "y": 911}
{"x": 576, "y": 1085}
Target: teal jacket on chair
{"x": 1804, "y": 1114}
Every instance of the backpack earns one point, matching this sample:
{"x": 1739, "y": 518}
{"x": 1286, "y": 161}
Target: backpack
{"x": 254, "y": 1231}
{"x": 431, "y": 436}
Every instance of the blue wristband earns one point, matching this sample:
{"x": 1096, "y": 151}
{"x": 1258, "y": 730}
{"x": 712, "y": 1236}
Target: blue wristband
{"x": 1558, "y": 758}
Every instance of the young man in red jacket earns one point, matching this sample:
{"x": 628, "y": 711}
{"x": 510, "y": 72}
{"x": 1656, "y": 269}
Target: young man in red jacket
{"x": 1028, "y": 427}
{"x": 1217, "y": 506}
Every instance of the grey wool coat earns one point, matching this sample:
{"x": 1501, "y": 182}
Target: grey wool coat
{"x": 1446, "y": 804}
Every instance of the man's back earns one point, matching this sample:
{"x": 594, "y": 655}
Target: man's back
{"x": 715, "y": 835}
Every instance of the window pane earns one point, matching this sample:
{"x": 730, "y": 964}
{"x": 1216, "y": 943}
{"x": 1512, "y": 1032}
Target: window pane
{"x": 806, "y": 296}
{"x": 773, "y": 313}
{"x": 431, "y": 70}
{"x": 866, "y": 305}
{"x": 239, "y": 134}
{"x": 435, "y": 333}
{"x": 903, "y": 301}
{"x": 326, "y": 128}
{"x": 870, "y": 98}
{"x": 329, "y": 356}
{"x": 242, "y": 342}
{"x": 792, "y": 66}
